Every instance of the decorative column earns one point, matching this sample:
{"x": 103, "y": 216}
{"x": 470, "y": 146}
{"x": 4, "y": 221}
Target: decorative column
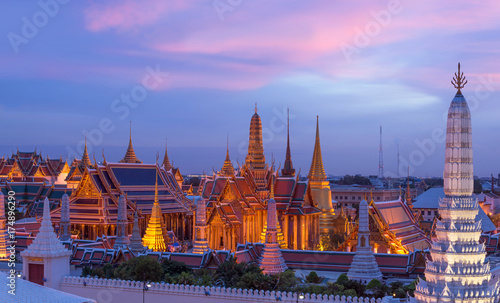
{"x": 64, "y": 224}
{"x": 122, "y": 239}
{"x": 200, "y": 244}
{"x": 136, "y": 246}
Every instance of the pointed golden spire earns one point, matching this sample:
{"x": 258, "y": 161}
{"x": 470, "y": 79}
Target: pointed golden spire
{"x": 255, "y": 107}
{"x": 130, "y": 156}
{"x": 166, "y": 161}
{"x": 288, "y": 169}
{"x": 85, "y": 157}
{"x": 317, "y": 171}
{"x": 227, "y": 168}
{"x": 156, "y": 235}
{"x": 458, "y": 80}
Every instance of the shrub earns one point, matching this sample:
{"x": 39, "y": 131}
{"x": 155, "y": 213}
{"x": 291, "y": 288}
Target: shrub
{"x": 313, "y": 277}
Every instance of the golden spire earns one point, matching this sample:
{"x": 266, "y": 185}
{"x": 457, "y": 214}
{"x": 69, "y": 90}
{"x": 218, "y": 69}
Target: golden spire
{"x": 130, "y": 156}
{"x": 85, "y": 157}
{"x": 156, "y": 235}
{"x": 227, "y": 168}
{"x": 166, "y": 162}
{"x": 288, "y": 169}
{"x": 255, "y": 158}
{"x": 317, "y": 171}
{"x": 458, "y": 80}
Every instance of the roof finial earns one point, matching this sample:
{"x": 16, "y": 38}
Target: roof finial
{"x": 271, "y": 195}
{"x": 156, "y": 187}
{"x": 130, "y": 131}
{"x": 255, "y": 107}
{"x": 458, "y": 80}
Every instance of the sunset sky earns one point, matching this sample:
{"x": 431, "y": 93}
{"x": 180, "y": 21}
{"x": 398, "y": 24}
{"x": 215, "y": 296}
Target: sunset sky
{"x": 191, "y": 72}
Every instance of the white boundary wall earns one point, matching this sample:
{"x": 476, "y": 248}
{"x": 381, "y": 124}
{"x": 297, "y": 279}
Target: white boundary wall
{"x": 120, "y": 291}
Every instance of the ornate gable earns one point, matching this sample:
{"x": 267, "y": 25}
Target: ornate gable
{"x": 227, "y": 194}
{"x": 86, "y": 188}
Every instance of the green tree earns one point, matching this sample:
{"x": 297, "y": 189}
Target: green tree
{"x": 186, "y": 278}
{"x": 148, "y": 269}
{"x": 174, "y": 268}
{"x": 342, "y": 279}
{"x": 109, "y": 271}
{"x": 143, "y": 268}
{"x": 230, "y": 272}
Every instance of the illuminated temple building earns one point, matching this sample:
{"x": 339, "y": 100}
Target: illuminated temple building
{"x": 393, "y": 229}
{"x": 32, "y": 167}
{"x": 457, "y": 271}
{"x": 94, "y": 203}
{"x": 33, "y": 178}
{"x": 236, "y": 200}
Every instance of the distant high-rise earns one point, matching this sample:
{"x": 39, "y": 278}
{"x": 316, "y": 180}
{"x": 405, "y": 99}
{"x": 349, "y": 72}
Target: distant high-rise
{"x": 380, "y": 157}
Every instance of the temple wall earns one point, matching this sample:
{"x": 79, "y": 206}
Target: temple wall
{"x": 111, "y": 291}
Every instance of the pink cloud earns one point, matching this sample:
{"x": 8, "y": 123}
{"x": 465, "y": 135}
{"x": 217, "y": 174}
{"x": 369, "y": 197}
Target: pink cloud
{"x": 128, "y": 15}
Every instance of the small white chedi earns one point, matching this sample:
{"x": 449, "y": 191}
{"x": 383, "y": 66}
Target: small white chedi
{"x": 364, "y": 267}
{"x": 46, "y": 256}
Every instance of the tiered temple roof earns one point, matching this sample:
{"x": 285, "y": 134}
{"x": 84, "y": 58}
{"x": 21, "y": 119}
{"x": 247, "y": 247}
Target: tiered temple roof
{"x": 130, "y": 156}
{"x": 96, "y": 198}
{"x": 393, "y": 226}
{"x": 32, "y": 167}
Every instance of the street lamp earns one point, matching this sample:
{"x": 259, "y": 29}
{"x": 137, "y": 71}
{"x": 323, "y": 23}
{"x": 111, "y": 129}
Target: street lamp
{"x": 300, "y": 296}
{"x": 145, "y": 287}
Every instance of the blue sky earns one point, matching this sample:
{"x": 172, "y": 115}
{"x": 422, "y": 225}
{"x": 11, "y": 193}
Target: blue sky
{"x": 191, "y": 71}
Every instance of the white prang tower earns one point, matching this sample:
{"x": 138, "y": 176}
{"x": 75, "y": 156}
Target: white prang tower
{"x": 364, "y": 267}
{"x": 458, "y": 272}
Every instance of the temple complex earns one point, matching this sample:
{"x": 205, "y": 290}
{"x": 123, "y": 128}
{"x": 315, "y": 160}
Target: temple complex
{"x": 236, "y": 200}
{"x": 364, "y": 268}
{"x": 456, "y": 270}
